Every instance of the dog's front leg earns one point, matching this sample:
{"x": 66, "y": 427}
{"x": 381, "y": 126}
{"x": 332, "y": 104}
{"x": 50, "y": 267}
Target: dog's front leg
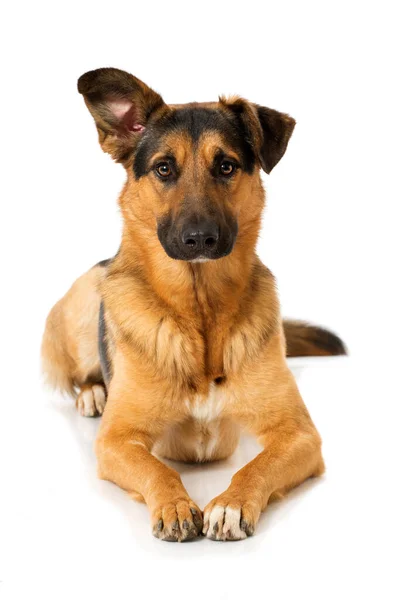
{"x": 124, "y": 457}
{"x": 291, "y": 454}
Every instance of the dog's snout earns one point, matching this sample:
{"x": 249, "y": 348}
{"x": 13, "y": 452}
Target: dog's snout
{"x": 201, "y": 236}
{"x": 197, "y": 238}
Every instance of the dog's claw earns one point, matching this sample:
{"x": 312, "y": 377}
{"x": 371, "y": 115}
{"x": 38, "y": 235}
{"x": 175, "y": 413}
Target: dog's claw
{"x": 179, "y": 522}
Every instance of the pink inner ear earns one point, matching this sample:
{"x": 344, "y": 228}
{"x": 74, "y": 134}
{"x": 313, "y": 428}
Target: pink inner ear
{"x": 137, "y": 127}
{"x": 124, "y": 111}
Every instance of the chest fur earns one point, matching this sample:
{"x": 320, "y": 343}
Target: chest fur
{"x": 206, "y": 340}
{"x": 204, "y": 434}
{"x": 207, "y": 408}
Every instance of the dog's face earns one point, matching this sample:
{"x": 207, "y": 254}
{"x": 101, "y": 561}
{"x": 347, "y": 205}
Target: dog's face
{"x": 191, "y": 166}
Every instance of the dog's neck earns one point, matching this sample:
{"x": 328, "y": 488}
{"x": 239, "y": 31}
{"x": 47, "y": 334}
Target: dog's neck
{"x": 205, "y": 298}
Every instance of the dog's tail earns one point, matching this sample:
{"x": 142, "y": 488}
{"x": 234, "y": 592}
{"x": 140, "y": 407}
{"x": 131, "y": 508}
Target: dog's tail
{"x": 303, "y": 339}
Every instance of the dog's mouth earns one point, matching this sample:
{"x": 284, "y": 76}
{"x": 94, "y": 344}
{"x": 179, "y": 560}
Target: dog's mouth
{"x": 201, "y": 259}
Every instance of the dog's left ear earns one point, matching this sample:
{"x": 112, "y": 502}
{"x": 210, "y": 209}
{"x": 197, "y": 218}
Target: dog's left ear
{"x": 267, "y": 130}
{"x": 121, "y": 106}
{"x": 277, "y": 130}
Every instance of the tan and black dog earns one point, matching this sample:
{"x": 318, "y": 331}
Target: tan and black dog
{"x": 181, "y": 330}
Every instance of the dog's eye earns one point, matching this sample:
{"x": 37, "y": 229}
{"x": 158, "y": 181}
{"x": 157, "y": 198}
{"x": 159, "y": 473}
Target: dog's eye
{"x": 163, "y": 170}
{"x": 227, "y": 168}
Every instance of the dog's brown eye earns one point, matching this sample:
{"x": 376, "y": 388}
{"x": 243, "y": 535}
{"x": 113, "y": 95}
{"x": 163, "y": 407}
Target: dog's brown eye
{"x": 227, "y": 168}
{"x": 163, "y": 170}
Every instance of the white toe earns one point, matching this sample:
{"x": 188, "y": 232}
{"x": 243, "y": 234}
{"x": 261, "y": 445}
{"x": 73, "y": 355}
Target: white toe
{"x": 91, "y": 401}
{"x": 216, "y": 520}
{"x": 99, "y": 398}
{"x": 232, "y": 524}
{"x": 223, "y": 524}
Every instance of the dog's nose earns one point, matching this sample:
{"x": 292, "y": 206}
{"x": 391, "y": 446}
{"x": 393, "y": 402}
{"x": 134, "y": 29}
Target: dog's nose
{"x": 201, "y": 236}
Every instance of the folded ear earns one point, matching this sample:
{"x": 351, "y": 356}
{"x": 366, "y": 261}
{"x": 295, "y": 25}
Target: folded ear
{"x": 121, "y": 106}
{"x": 277, "y": 130}
{"x": 267, "y": 130}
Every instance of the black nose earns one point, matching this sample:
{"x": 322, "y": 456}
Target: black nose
{"x": 201, "y": 236}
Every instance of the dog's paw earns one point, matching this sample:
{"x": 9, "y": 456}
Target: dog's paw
{"x": 227, "y": 519}
{"x": 91, "y": 400}
{"x": 178, "y": 521}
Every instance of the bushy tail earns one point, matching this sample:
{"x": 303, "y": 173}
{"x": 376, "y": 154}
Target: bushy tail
{"x": 303, "y": 339}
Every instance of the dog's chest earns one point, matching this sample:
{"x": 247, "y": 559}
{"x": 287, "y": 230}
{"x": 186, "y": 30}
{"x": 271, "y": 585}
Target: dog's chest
{"x": 206, "y": 412}
{"x": 209, "y": 407}
{"x": 204, "y": 433}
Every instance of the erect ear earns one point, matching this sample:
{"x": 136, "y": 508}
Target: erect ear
{"x": 267, "y": 130}
{"x": 121, "y": 106}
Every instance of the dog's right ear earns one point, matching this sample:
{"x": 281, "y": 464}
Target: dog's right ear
{"x": 121, "y": 106}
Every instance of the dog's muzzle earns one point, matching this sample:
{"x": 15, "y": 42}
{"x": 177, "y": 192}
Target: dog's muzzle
{"x": 197, "y": 240}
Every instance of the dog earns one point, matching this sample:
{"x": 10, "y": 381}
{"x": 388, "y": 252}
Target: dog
{"x": 178, "y": 340}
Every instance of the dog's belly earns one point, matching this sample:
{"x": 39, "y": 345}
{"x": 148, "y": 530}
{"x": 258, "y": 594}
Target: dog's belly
{"x": 204, "y": 435}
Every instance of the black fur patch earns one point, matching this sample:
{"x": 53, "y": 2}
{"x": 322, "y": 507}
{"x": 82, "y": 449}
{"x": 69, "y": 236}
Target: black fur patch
{"x": 103, "y": 347}
{"x": 104, "y": 263}
{"x": 195, "y": 121}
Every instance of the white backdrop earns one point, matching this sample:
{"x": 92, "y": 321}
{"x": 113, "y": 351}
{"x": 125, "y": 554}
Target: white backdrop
{"x": 331, "y": 226}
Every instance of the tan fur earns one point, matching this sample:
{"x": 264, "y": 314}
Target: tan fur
{"x": 69, "y": 346}
{"x": 198, "y": 353}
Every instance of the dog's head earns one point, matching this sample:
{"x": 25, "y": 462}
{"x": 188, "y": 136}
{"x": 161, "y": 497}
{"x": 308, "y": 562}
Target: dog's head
{"x": 194, "y": 168}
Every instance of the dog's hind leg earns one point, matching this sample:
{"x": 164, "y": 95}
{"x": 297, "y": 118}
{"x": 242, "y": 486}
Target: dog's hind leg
{"x": 91, "y": 399}
{"x": 70, "y": 354}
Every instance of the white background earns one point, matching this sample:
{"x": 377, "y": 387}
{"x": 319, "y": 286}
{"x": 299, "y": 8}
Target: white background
{"x": 330, "y": 237}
